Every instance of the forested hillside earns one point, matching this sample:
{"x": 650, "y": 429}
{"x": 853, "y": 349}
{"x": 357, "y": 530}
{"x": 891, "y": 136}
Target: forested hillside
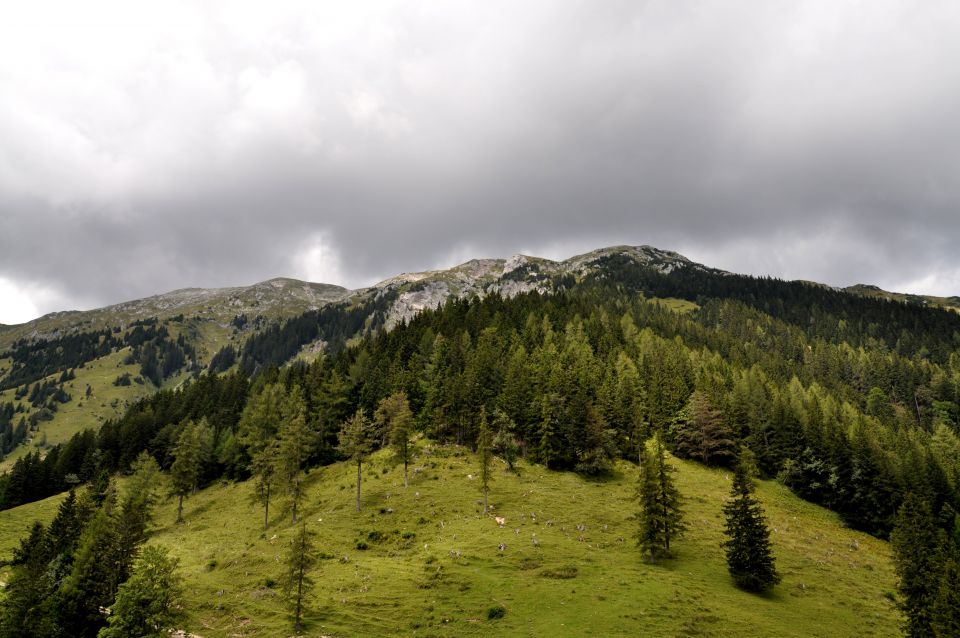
{"x": 850, "y": 402}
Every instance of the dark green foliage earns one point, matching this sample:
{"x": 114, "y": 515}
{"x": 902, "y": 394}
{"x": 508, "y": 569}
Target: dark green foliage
{"x": 749, "y": 553}
{"x": 496, "y": 612}
{"x": 945, "y": 616}
{"x": 917, "y": 555}
{"x": 149, "y": 603}
{"x": 660, "y": 516}
{"x": 223, "y": 360}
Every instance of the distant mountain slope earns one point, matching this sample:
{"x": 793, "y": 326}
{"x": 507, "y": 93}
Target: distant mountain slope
{"x": 273, "y": 298}
{"x": 867, "y": 290}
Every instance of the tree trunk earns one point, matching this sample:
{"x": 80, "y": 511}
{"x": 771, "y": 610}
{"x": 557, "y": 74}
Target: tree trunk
{"x": 298, "y": 625}
{"x": 405, "y": 482}
{"x": 180, "y": 510}
{"x": 358, "y": 485}
{"x": 266, "y": 509}
{"x": 486, "y": 490}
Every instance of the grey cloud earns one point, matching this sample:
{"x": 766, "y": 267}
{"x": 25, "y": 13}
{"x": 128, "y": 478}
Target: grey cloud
{"x": 796, "y": 139}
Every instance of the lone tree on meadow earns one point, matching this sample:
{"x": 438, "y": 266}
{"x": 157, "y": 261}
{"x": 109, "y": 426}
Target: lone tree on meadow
{"x": 301, "y": 558}
{"x": 749, "y": 554}
{"x": 394, "y": 417}
{"x": 485, "y": 454}
{"x": 660, "y": 516}
{"x": 356, "y": 442}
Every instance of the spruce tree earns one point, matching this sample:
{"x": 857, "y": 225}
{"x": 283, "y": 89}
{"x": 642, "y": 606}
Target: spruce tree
{"x": 749, "y": 553}
{"x": 356, "y": 442}
{"x": 301, "y": 559}
{"x": 660, "y": 516}
{"x": 945, "y": 618}
{"x": 149, "y": 603}
{"x": 916, "y": 542}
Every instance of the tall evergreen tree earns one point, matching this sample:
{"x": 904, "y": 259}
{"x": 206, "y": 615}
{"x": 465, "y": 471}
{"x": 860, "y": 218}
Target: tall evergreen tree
{"x": 660, "y": 516}
{"x": 749, "y": 553}
{"x": 945, "y": 618}
{"x": 356, "y": 442}
{"x": 149, "y": 603}
{"x": 916, "y": 542}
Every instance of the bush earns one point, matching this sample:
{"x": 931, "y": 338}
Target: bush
{"x": 495, "y": 612}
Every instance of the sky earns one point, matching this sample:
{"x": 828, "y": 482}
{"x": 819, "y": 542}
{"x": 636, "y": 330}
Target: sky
{"x": 146, "y": 147}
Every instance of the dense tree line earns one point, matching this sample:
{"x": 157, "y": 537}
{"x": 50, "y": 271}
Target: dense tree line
{"x": 32, "y": 360}
{"x": 334, "y": 324}
{"x": 152, "y": 424}
{"x": 151, "y": 345}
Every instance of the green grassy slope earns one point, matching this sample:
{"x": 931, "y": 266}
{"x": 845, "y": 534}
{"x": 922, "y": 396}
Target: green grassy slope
{"x": 433, "y": 566}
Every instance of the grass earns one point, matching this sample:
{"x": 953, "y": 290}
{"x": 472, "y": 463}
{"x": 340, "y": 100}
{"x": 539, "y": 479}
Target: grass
{"x": 432, "y": 563}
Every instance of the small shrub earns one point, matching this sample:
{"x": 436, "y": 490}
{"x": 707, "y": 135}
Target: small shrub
{"x": 564, "y": 573}
{"x": 362, "y": 545}
{"x": 496, "y": 612}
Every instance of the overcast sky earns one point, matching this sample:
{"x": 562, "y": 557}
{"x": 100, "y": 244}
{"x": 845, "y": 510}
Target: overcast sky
{"x": 152, "y": 146}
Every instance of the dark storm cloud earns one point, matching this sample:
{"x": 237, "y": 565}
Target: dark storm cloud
{"x": 227, "y": 145}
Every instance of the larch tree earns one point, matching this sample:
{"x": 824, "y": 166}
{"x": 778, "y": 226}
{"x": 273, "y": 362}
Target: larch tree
{"x": 485, "y": 456}
{"x": 294, "y": 446}
{"x": 749, "y": 553}
{"x": 301, "y": 559}
{"x": 258, "y": 429}
{"x": 356, "y": 443}
{"x": 505, "y": 441}
{"x": 187, "y": 461}
{"x": 660, "y": 517}
{"x": 394, "y": 417}
{"x": 703, "y": 435}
